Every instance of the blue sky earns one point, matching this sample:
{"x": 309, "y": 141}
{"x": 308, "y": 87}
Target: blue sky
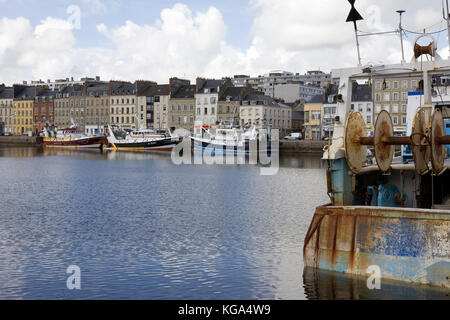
{"x": 236, "y": 13}
{"x": 155, "y": 40}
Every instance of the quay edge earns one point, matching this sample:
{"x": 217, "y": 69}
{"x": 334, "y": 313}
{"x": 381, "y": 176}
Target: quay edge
{"x": 22, "y": 141}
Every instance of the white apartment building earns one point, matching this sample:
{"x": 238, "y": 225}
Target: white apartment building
{"x": 206, "y": 101}
{"x": 161, "y": 107}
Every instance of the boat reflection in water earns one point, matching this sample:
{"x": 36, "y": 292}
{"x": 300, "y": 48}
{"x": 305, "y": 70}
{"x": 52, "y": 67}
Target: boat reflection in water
{"x": 328, "y": 285}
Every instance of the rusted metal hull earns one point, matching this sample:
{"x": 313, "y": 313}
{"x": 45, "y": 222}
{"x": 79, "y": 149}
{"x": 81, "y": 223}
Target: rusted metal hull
{"x": 407, "y": 244}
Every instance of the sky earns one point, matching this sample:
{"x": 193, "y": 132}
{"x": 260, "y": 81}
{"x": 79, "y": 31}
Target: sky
{"x": 156, "y": 40}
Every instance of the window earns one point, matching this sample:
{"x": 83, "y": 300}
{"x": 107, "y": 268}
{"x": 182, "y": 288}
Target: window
{"x": 395, "y": 108}
{"x": 396, "y": 85}
{"x": 315, "y": 115}
{"x": 378, "y": 85}
{"x": 414, "y": 85}
{"x": 369, "y": 119}
{"x": 404, "y": 96}
{"x": 388, "y": 85}
{"x": 377, "y": 97}
{"x": 395, "y": 96}
{"x": 206, "y": 111}
{"x": 387, "y": 96}
{"x": 403, "y": 120}
{"x": 213, "y": 111}
{"x": 395, "y": 119}
{"x": 404, "y": 108}
{"x": 405, "y": 84}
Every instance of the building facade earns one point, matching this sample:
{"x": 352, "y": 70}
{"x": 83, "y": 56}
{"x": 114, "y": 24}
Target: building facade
{"x": 6, "y": 109}
{"x": 208, "y": 93}
{"x": 145, "y": 95}
{"x": 123, "y": 105}
{"x": 44, "y": 110}
{"x": 182, "y": 107}
{"x": 391, "y": 94}
{"x": 228, "y": 109}
{"x": 97, "y": 112}
{"x": 362, "y": 102}
{"x": 23, "y": 109}
{"x": 161, "y": 104}
{"x": 264, "y": 112}
{"x": 313, "y": 116}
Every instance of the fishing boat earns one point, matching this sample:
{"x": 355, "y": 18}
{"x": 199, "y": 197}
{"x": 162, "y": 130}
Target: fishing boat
{"x": 72, "y": 138}
{"x": 119, "y": 139}
{"x": 232, "y": 139}
{"x": 392, "y": 216}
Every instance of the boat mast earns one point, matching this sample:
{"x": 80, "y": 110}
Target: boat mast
{"x": 447, "y": 18}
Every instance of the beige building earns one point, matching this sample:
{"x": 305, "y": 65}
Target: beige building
{"x": 6, "y": 109}
{"x": 123, "y": 105}
{"x": 97, "y": 107}
{"x": 181, "y": 114}
{"x": 391, "y": 94}
{"x": 265, "y": 112}
{"x": 313, "y": 118}
{"x": 228, "y": 109}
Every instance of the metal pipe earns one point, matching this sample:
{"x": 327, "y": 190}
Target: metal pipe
{"x": 443, "y": 140}
{"x": 397, "y": 141}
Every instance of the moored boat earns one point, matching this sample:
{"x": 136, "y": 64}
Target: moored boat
{"x": 118, "y": 139}
{"x": 390, "y": 219}
{"x": 73, "y": 138}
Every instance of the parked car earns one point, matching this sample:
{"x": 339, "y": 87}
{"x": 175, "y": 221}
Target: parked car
{"x": 294, "y": 136}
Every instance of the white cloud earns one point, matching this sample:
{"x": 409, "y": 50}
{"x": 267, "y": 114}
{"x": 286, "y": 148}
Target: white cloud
{"x": 293, "y": 35}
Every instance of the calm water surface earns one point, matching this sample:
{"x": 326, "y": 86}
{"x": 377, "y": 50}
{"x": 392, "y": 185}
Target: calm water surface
{"x": 140, "y": 227}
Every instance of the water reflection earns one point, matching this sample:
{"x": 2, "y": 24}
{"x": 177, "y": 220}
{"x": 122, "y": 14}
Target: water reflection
{"x": 326, "y": 285}
{"x": 298, "y": 161}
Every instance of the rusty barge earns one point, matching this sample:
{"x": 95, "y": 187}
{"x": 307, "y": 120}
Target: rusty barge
{"x": 386, "y": 211}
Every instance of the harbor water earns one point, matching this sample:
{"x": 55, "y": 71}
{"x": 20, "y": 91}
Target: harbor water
{"x": 140, "y": 227}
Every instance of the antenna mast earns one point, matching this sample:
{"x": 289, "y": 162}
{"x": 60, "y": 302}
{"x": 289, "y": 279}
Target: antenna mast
{"x": 353, "y": 17}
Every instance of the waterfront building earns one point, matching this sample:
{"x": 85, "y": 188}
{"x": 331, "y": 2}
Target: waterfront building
{"x": 313, "y": 116}
{"x": 391, "y": 94}
{"x": 181, "y": 113}
{"x": 23, "y": 109}
{"x": 97, "y": 114}
{"x": 6, "y": 109}
{"x": 362, "y": 102}
{"x": 329, "y": 110}
{"x": 207, "y": 97}
{"x": 161, "y": 104}
{"x": 44, "y": 109}
{"x": 123, "y": 104}
{"x": 145, "y": 95}
{"x": 62, "y": 106}
{"x": 265, "y": 112}
{"x": 230, "y": 101}
{"x": 298, "y": 116}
